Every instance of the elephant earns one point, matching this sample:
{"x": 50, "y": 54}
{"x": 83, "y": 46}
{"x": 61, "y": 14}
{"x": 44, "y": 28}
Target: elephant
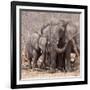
{"x": 43, "y": 46}
{"x": 36, "y": 50}
{"x": 44, "y": 59}
{"x": 53, "y": 32}
{"x": 71, "y": 35}
{"x": 60, "y": 62}
{"x": 32, "y": 50}
{"x": 51, "y": 46}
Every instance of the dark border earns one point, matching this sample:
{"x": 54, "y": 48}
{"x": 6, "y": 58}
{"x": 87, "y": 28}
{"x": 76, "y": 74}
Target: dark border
{"x": 13, "y": 44}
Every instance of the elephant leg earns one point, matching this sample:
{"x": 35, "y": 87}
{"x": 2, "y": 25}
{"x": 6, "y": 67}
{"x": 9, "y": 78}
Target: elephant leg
{"x": 30, "y": 60}
{"x": 27, "y": 57}
{"x": 40, "y": 61}
{"x": 75, "y": 47}
{"x": 67, "y": 58}
{"x": 34, "y": 59}
{"x": 47, "y": 61}
{"x": 61, "y": 62}
{"x": 67, "y": 64}
{"x": 53, "y": 62}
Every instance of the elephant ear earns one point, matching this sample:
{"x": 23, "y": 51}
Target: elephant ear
{"x": 34, "y": 38}
{"x": 42, "y": 43}
{"x": 71, "y": 31}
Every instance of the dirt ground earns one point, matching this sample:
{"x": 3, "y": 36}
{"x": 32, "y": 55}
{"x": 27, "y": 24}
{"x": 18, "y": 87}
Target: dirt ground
{"x": 30, "y": 74}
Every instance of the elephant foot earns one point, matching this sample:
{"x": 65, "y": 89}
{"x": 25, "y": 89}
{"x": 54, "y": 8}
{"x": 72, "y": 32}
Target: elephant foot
{"x": 25, "y": 67}
{"x": 68, "y": 70}
{"x": 30, "y": 67}
{"x": 52, "y": 71}
{"x": 74, "y": 69}
{"x": 39, "y": 69}
{"x": 34, "y": 66}
{"x": 61, "y": 69}
{"x": 34, "y": 69}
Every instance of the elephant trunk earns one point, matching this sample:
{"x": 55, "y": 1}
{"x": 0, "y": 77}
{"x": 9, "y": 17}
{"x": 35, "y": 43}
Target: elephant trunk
{"x": 61, "y": 50}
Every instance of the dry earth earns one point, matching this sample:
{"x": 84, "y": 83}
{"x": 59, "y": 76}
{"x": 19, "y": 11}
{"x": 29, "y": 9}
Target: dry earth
{"x": 30, "y": 74}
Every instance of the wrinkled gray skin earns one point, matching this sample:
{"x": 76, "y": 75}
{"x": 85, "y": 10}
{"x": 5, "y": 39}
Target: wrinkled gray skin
{"x": 60, "y": 62}
{"x": 67, "y": 56}
{"x": 55, "y": 47}
{"x": 73, "y": 36}
{"x": 43, "y": 47}
{"x": 53, "y": 32}
{"x": 33, "y": 49}
{"x": 77, "y": 41}
{"x": 36, "y": 50}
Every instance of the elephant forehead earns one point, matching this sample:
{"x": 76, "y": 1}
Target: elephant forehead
{"x": 55, "y": 34}
{"x": 54, "y": 28}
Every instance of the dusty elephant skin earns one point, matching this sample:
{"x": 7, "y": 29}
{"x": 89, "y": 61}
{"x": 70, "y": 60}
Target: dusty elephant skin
{"x": 53, "y": 33}
{"x": 70, "y": 35}
{"x": 52, "y": 41}
{"x": 33, "y": 50}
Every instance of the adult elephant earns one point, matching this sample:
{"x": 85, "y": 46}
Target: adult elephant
{"x": 32, "y": 50}
{"x": 53, "y": 32}
{"x": 72, "y": 35}
{"x": 35, "y": 50}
